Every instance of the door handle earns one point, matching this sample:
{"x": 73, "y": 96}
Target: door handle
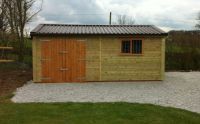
{"x": 63, "y": 52}
{"x": 64, "y": 69}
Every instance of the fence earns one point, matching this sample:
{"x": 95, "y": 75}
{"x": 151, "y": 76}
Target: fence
{"x": 9, "y": 51}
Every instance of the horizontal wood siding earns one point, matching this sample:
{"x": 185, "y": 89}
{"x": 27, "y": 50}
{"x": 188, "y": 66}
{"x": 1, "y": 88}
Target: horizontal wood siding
{"x": 104, "y": 61}
{"x": 93, "y": 59}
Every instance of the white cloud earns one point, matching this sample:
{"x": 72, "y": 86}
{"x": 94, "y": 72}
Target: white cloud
{"x": 38, "y": 20}
{"x": 170, "y": 14}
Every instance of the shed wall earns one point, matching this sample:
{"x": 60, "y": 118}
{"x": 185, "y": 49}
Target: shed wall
{"x": 104, "y": 62}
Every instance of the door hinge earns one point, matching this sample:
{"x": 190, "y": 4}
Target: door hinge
{"x": 45, "y": 59}
{"x": 43, "y": 40}
{"x": 81, "y": 78}
{"x": 81, "y": 40}
{"x": 45, "y": 78}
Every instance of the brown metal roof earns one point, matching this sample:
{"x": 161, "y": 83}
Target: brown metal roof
{"x": 66, "y": 29}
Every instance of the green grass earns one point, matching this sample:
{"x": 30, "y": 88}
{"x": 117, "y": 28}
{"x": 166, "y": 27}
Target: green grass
{"x": 98, "y": 113}
{"x": 6, "y": 98}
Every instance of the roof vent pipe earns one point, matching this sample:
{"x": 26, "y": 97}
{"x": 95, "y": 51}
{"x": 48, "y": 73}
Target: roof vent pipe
{"x": 110, "y": 19}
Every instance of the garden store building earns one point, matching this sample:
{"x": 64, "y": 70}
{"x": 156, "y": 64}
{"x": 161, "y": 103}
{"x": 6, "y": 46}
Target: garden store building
{"x": 84, "y": 53}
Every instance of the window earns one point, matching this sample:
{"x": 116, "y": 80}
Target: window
{"x": 131, "y": 46}
{"x": 126, "y": 47}
{"x": 137, "y": 46}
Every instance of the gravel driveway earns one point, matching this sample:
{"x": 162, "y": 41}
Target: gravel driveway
{"x": 180, "y": 89}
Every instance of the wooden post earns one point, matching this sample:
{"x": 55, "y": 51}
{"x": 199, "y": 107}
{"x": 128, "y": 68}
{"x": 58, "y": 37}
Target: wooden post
{"x": 100, "y": 59}
{"x": 163, "y": 59}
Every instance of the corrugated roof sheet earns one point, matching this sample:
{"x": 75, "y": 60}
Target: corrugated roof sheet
{"x": 64, "y": 29}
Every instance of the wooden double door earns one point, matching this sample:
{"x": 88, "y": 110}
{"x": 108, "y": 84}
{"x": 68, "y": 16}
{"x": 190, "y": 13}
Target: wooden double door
{"x": 63, "y": 61}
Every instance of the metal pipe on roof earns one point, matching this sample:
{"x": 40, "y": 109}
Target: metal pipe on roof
{"x": 110, "y": 19}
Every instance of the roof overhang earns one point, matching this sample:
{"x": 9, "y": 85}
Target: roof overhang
{"x": 89, "y": 30}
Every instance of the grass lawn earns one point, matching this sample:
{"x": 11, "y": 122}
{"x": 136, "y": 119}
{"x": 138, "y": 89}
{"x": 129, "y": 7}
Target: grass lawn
{"x": 97, "y": 113}
{"x": 80, "y": 113}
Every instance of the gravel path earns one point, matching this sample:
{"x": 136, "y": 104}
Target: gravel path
{"x": 180, "y": 89}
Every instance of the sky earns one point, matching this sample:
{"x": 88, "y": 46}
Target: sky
{"x": 165, "y": 14}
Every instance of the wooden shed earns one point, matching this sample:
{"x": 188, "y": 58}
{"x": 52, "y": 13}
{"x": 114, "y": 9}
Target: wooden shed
{"x": 83, "y": 53}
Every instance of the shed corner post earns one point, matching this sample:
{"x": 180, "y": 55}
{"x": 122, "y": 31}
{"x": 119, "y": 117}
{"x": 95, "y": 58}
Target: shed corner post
{"x": 36, "y": 62}
{"x": 163, "y": 58}
{"x": 100, "y": 58}
{"x": 34, "y": 59}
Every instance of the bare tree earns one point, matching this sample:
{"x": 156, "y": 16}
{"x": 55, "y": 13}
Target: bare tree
{"x": 24, "y": 15}
{"x": 3, "y": 20}
{"x": 198, "y": 24}
{"x": 10, "y": 14}
{"x": 3, "y": 23}
{"x": 19, "y": 14}
{"x": 125, "y": 20}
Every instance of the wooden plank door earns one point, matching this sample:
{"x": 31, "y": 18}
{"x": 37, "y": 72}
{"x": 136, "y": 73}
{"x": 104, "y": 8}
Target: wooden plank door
{"x": 76, "y": 61}
{"x": 57, "y": 60}
{"x": 63, "y": 61}
{"x": 45, "y": 61}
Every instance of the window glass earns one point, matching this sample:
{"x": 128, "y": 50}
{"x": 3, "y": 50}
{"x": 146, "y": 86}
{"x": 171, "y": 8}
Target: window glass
{"x": 137, "y": 46}
{"x": 126, "y": 45}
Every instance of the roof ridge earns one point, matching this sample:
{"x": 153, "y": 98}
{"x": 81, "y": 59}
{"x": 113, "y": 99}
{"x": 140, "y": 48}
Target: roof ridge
{"x": 91, "y": 25}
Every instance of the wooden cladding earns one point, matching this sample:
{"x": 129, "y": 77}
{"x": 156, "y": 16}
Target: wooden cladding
{"x": 91, "y": 58}
{"x": 62, "y": 60}
{"x": 106, "y": 63}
